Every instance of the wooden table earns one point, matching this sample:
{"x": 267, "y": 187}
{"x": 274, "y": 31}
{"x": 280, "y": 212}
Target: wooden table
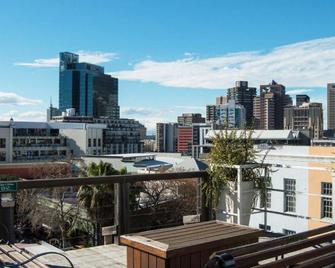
{"x": 187, "y": 246}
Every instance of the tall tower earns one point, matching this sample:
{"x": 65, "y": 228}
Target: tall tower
{"x": 86, "y": 88}
{"x": 269, "y": 106}
{"x": 331, "y": 106}
{"x": 244, "y": 95}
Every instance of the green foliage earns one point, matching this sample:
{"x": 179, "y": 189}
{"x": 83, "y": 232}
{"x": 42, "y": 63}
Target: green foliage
{"x": 230, "y": 147}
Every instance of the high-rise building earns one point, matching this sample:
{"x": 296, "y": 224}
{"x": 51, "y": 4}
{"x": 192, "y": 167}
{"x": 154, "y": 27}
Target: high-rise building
{"x": 166, "y": 137}
{"x": 220, "y": 100}
{"x": 231, "y": 114}
{"x": 308, "y": 116}
{"x": 187, "y": 119}
{"x": 86, "y": 88}
{"x": 300, "y": 99}
{"x": 269, "y": 106}
{"x": 243, "y": 95}
{"x": 210, "y": 113}
{"x": 331, "y": 106}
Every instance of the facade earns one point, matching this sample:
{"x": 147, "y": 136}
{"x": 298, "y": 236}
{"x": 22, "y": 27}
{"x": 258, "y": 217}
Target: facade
{"x": 166, "y": 137}
{"x": 121, "y": 136}
{"x": 244, "y": 95}
{"x": 231, "y": 114}
{"x": 210, "y": 113}
{"x": 304, "y": 197}
{"x": 220, "y": 100}
{"x": 308, "y": 116}
{"x": 331, "y": 106}
{"x": 300, "y": 99}
{"x": 47, "y": 141}
{"x": 86, "y": 88}
{"x": 184, "y": 140}
{"x": 269, "y": 106}
{"x": 187, "y": 119}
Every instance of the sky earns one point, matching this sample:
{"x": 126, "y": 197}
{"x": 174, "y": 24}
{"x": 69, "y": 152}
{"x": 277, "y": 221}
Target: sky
{"x": 170, "y": 56}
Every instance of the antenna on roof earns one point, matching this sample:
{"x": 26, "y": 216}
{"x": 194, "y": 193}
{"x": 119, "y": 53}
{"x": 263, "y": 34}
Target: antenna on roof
{"x": 50, "y": 101}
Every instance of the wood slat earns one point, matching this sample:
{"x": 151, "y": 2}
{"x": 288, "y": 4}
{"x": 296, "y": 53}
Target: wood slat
{"x": 185, "y": 261}
{"x": 196, "y": 260}
{"x": 328, "y": 259}
{"x": 144, "y": 260}
{"x": 130, "y": 257}
{"x": 152, "y": 261}
{"x": 278, "y": 241}
{"x": 300, "y": 257}
{"x": 174, "y": 262}
{"x": 253, "y": 257}
{"x": 137, "y": 258}
{"x": 161, "y": 263}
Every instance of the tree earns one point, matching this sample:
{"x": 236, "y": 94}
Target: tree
{"x": 231, "y": 147}
{"x": 98, "y": 199}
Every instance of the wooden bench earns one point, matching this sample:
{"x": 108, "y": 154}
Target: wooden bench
{"x": 187, "y": 246}
{"x": 312, "y": 248}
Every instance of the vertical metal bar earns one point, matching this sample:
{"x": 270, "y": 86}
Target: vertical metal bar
{"x": 125, "y": 208}
{"x": 266, "y": 174}
{"x": 239, "y": 203}
{"x": 117, "y": 220}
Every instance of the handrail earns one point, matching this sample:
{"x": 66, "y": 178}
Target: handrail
{"x": 77, "y": 181}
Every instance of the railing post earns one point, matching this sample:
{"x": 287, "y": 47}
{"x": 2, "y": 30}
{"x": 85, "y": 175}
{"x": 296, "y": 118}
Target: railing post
{"x": 121, "y": 201}
{"x": 7, "y": 224}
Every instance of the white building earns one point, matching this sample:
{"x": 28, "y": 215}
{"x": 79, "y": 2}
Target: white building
{"x": 46, "y": 141}
{"x": 231, "y": 114}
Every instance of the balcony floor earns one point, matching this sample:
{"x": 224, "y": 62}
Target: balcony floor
{"x": 101, "y": 256}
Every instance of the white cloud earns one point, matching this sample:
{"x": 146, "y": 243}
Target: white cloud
{"x": 84, "y": 56}
{"x": 299, "y": 91}
{"x": 310, "y": 63}
{"x": 12, "y": 98}
{"x": 37, "y": 116}
{"x": 131, "y": 111}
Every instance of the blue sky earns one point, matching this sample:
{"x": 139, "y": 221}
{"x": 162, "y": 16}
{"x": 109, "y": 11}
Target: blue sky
{"x": 170, "y": 56}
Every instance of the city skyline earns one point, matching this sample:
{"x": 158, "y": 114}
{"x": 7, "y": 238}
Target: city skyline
{"x": 158, "y": 70}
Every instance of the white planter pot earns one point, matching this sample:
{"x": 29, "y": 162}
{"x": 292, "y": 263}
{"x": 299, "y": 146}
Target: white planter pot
{"x": 230, "y": 207}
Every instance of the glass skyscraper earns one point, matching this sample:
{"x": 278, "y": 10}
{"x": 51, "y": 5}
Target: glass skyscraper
{"x": 87, "y": 88}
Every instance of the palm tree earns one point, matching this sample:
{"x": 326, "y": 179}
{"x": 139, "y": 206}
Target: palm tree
{"x": 98, "y": 199}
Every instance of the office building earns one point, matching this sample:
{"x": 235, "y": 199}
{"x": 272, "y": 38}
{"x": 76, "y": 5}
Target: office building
{"x": 331, "y": 106}
{"x": 48, "y": 141}
{"x": 244, "y": 95}
{"x": 300, "y": 99}
{"x": 269, "y": 106}
{"x": 166, "y": 137}
{"x": 231, "y": 115}
{"x": 187, "y": 119}
{"x": 86, "y": 88}
{"x": 308, "y": 116}
{"x": 210, "y": 113}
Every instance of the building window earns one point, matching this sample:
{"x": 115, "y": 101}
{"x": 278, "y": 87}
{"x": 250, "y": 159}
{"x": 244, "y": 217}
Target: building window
{"x": 261, "y": 226}
{"x": 2, "y": 143}
{"x": 289, "y": 195}
{"x": 2, "y": 156}
{"x": 326, "y": 202}
{"x": 288, "y": 232}
{"x": 99, "y": 142}
{"x": 94, "y": 142}
{"x": 89, "y": 143}
{"x": 268, "y": 197}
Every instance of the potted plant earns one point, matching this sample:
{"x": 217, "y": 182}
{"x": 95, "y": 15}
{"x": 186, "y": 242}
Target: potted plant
{"x": 232, "y": 152}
